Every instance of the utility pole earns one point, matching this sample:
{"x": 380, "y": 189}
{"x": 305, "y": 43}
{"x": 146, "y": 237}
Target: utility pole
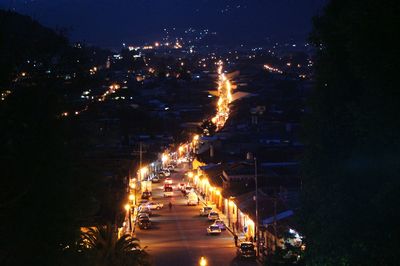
{"x": 140, "y": 155}
{"x": 257, "y": 223}
{"x": 275, "y": 231}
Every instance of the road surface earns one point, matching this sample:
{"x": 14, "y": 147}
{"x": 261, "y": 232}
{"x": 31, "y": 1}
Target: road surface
{"x": 178, "y": 236}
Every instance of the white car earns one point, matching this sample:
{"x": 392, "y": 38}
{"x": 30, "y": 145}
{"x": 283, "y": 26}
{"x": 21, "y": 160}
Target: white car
{"x": 144, "y": 209}
{"x": 168, "y": 181}
{"x": 220, "y": 224}
{"x": 205, "y": 211}
{"x": 213, "y": 216}
{"x": 155, "y": 179}
{"x": 154, "y": 205}
{"x": 165, "y": 172}
{"x": 213, "y": 230}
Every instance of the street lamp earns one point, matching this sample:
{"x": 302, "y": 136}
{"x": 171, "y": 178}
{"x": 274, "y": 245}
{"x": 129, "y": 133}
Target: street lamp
{"x": 257, "y": 224}
{"x": 133, "y": 197}
{"x": 164, "y": 159}
{"x": 128, "y": 209}
{"x": 143, "y": 171}
{"x": 203, "y": 261}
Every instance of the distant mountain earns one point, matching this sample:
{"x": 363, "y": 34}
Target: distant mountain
{"x": 21, "y": 39}
{"x": 109, "y": 23}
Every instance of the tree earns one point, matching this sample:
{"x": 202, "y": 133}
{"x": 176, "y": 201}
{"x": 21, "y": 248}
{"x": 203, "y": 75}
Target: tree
{"x": 102, "y": 247}
{"x": 352, "y": 159}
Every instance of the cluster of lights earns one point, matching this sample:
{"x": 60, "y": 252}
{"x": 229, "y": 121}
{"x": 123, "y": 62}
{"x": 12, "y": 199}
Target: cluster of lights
{"x": 111, "y": 89}
{"x": 225, "y": 98}
{"x": 272, "y": 69}
{"x": 4, "y": 94}
{"x": 93, "y": 70}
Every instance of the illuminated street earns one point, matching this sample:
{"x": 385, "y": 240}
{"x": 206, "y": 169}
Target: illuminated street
{"x": 179, "y": 237}
{"x": 199, "y": 133}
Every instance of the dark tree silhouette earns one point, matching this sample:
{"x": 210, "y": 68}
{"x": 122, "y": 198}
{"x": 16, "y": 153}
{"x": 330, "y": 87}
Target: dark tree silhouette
{"x": 352, "y": 162}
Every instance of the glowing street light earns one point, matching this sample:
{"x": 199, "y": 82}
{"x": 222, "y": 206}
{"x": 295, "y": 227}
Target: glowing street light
{"x": 181, "y": 148}
{"x": 164, "y": 158}
{"x": 143, "y": 171}
{"x": 203, "y": 261}
{"x": 128, "y": 209}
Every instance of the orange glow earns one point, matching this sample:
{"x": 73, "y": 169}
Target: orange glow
{"x": 225, "y": 98}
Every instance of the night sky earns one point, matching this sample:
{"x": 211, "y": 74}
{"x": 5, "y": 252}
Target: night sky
{"x": 108, "y": 23}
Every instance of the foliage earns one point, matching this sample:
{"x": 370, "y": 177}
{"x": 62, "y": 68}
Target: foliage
{"x": 352, "y": 159}
{"x": 102, "y": 247}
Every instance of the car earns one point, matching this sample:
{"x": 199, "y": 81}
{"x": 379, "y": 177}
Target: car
{"x": 181, "y": 186}
{"x": 144, "y": 209}
{"x": 155, "y": 179}
{"x": 144, "y": 223}
{"x": 213, "y": 216}
{"x": 142, "y": 215}
{"x": 146, "y": 195}
{"x": 213, "y": 230}
{"x": 220, "y": 224}
{"x": 143, "y": 201}
{"x": 205, "y": 211}
{"x": 168, "y": 192}
{"x": 188, "y": 189}
{"x": 168, "y": 180}
{"x": 170, "y": 167}
{"x": 246, "y": 250}
{"x": 165, "y": 172}
{"x": 154, "y": 205}
{"x": 160, "y": 174}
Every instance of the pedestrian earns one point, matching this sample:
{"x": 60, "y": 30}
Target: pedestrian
{"x": 251, "y": 239}
{"x": 198, "y": 200}
{"x": 235, "y": 237}
{"x": 233, "y": 227}
{"x": 170, "y": 205}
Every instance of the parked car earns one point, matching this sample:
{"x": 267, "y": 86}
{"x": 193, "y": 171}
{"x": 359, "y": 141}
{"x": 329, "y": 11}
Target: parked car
{"x": 146, "y": 195}
{"x": 246, "y": 250}
{"x": 181, "y": 186}
{"x": 213, "y": 216}
{"x": 168, "y": 192}
{"x": 144, "y": 209}
{"x": 154, "y": 205}
{"x": 192, "y": 199}
{"x": 213, "y": 230}
{"x": 168, "y": 180}
{"x": 155, "y": 179}
{"x": 142, "y": 214}
{"x": 205, "y": 211}
{"x": 188, "y": 189}
{"x": 166, "y": 172}
{"x": 144, "y": 223}
{"x": 143, "y": 201}
{"x": 220, "y": 224}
